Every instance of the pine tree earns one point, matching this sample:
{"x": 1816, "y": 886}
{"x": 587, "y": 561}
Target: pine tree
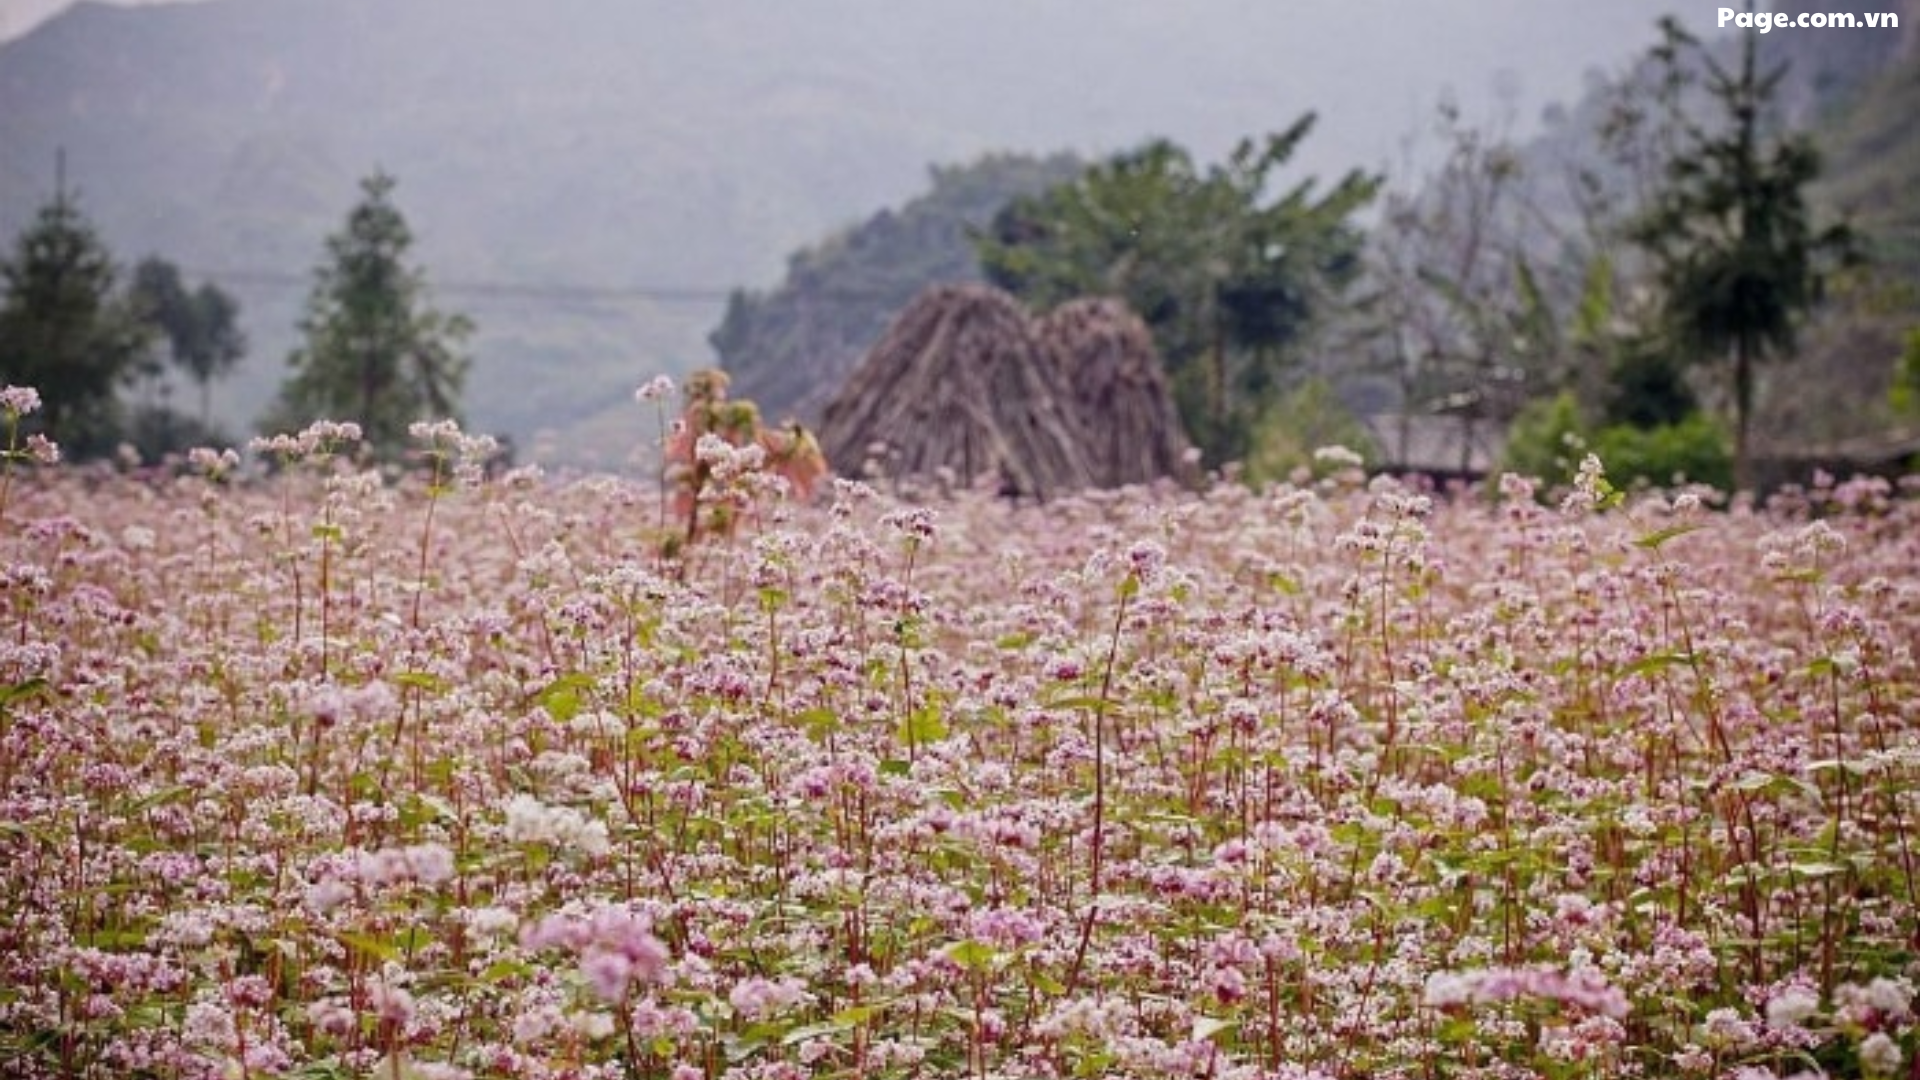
{"x": 66, "y": 331}
{"x": 1735, "y": 250}
{"x": 376, "y": 352}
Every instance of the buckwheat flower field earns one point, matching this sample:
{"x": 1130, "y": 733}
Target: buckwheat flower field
{"x": 322, "y": 772}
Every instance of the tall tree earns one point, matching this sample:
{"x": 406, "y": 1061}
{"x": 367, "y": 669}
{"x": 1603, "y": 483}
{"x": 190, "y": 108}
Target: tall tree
{"x": 376, "y": 352}
{"x": 1228, "y": 270}
{"x": 199, "y": 325}
{"x": 1735, "y": 250}
{"x": 65, "y": 330}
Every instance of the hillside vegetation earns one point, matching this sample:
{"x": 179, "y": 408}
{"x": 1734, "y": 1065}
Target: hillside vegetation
{"x": 589, "y": 181}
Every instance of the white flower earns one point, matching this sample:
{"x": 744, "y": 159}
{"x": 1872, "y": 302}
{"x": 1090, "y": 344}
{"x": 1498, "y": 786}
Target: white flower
{"x": 656, "y": 388}
{"x": 1792, "y": 1007}
{"x": 1879, "y": 1055}
{"x": 593, "y": 1025}
{"x": 1338, "y": 456}
{"x": 435, "y": 432}
{"x": 491, "y": 922}
{"x": 529, "y": 821}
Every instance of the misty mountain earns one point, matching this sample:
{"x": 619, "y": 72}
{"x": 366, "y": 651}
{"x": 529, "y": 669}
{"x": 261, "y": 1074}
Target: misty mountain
{"x": 589, "y": 178}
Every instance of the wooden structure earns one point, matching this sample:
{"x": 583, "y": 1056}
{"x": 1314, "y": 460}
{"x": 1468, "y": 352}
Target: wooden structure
{"x": 1129, "y": 425}
{"x": 964, "y": 381}
{"x": 959, "y": 382}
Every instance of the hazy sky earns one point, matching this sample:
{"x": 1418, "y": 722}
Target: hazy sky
{"x": 19, "y": 16}
{"x": 1395, "y": 56}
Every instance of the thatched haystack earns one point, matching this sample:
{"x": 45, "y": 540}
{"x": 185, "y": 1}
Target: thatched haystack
{"x": 959, "y": 382}
{"x": 1130, "y": 428}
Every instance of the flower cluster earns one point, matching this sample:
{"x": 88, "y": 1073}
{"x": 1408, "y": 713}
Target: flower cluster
{"x": 319, "y": 774}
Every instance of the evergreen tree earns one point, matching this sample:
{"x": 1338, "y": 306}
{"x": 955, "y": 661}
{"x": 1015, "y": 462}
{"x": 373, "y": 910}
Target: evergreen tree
{"x": 1734, "y": 247}
{"x": 376, "y": 352}
{"x": 66, "y": 331}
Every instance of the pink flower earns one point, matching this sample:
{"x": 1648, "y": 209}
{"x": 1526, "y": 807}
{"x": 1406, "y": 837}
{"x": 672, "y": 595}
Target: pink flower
{"x": 18, "y": 401}
{"x": 43, "y": 450}
{"x": 392, "y": 1004}
{"x": 754, "y": 997}
{"x": 608, "y": 974}
{"x": 1586, "y": 989}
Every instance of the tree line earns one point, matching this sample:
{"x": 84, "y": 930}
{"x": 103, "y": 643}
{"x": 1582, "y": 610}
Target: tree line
{"x": 104, "y": 346}
{"x": 1635, "y": 320}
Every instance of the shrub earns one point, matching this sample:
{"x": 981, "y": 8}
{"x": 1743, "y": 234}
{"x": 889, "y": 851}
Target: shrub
{"x": 1549, "y": 438}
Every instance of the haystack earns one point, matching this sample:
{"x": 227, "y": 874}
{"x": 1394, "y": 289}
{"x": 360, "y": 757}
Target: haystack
{"x": 959, "y": 382}
{"x": 1129, "y": 426}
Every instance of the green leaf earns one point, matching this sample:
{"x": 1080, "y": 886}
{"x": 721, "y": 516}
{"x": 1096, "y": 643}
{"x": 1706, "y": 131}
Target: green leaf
{"x": 369, "y": 945}
{"x": 20, "y": 691}
{"x": 923, "y": 725}
{"x": 806, "y": 1032}
{"x": 1773, "y": 784}
{"x": 1816, "y": 869}
{"x": 417, "y": 809}
{"x": 1080, "y": 701}
{"x": 1646, "y": 665}
{"x": 972, "y": 954}
{"x": 422, "y": 680}
{"x": 157, "y": 798}
{"x": 561, "y": 697}
{"x": 1095, "y": 1063}
{"x": 505, "y": 971}
{"x": 1206, "y": 1027}
{"x": 855, "y": 1015}
{"x": 1653, "y": 540}
{"x": 819, "y": 721}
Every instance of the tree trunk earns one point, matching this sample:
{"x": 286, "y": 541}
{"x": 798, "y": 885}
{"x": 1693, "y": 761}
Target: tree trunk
{"x": 1743, "y": 479}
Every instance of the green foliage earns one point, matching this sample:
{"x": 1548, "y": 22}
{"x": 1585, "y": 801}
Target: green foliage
{"x": 791, "y": 348}
{"x": 1647, "y": 385}
{"x": 1304, "y": 419}
{"x": 1905, "y": 392}
{"x": 1228, "y": 271}
{"x": 1546, "y": 439}
{"x": 66, "y": 331}
{"x": 1735, "y": 251}
{"x": 376, "y": 352}
{"x": 1549, "y": 438}
{"x": 199, "y": 325}
{"x": 1692, "y": 450}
